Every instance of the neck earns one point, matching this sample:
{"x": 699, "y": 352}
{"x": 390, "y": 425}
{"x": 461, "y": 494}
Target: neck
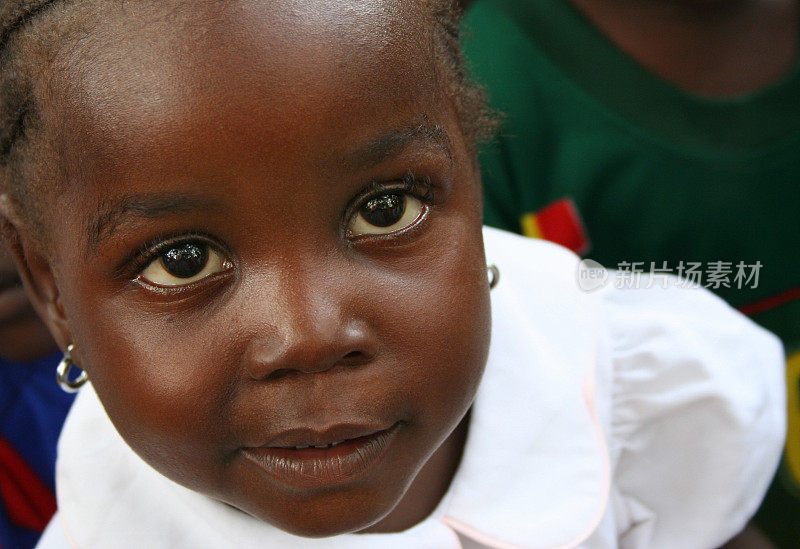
{"x": 429, "y": 486}
{"x": 710, "y": 47}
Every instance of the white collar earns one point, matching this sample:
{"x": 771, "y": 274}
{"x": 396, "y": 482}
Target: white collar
{"x": 534, "y": 474}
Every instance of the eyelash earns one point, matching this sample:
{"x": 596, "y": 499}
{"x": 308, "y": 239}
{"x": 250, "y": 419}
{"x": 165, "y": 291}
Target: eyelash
{"x": 419, "y": 187}
{"x": 410, "y": 184}
{"x": 156, "y": 247}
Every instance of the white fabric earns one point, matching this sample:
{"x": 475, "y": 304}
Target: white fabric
{"x": 616, "y": 418}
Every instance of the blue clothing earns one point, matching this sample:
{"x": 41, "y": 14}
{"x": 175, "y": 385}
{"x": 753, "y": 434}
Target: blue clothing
{"x": 32, "y": 411}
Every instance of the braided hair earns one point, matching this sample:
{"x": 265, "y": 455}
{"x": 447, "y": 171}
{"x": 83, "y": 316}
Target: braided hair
{"x": 16, "y": 15}
{"x": 21, "y": 155}
{"x": 31, "y": 31}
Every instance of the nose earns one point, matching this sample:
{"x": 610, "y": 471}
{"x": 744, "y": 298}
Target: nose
{"x": 312, "y": 330}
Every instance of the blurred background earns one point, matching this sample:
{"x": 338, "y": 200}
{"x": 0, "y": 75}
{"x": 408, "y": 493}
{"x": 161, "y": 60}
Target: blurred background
{"x": 32, "y": 410}
{"x": 658, "y": 136}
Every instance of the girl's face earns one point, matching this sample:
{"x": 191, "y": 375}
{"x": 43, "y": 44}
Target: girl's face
{"x": 270, "y": 238}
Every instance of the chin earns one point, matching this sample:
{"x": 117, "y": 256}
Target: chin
{"x": 326, "y": 527}
{"x": 317, "y": 531}
{"x": 334, "y": 513}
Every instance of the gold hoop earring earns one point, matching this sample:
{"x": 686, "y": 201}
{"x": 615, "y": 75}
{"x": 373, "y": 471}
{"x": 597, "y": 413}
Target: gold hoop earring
{"x": 494, "y": 276}
{"x": 62, "y": 373}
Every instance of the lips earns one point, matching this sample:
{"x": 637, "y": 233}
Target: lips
{"x": 305, "y": 458}
{"x": 309, "y": 437}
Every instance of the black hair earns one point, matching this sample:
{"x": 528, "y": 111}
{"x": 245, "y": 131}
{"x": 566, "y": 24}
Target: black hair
{"x": 16, "y": 15}
{"x": 19, "y": 120}
{"x": 23, "y": 147}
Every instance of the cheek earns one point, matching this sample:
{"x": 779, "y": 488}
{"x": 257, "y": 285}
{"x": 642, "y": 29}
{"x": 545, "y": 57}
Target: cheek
{"x": 161, "y": 382}
{"x": 440, "y": 330}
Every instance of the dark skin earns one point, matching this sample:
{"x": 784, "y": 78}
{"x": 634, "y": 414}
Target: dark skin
{"x": 716, "y": 48}
{"x": 23, "y": 335}
{"x": 260, "y": 138}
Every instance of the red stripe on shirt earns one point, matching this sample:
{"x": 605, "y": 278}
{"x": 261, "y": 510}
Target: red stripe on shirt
{"x": 770, "y": 302}
{"x": 28, "y": 501}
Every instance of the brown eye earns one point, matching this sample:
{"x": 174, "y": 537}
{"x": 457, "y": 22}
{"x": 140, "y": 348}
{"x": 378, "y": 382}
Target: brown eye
{"x": 383, "y": 211}
{"x": 385, "y": 214}
{"x": 183, "y": 264}
{"x": 185, "y": 261}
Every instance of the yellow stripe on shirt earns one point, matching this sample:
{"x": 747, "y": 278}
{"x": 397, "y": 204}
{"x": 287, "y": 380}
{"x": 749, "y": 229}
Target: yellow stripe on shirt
{"x": 530, "y": 226}
{"x": 793, "y": 434}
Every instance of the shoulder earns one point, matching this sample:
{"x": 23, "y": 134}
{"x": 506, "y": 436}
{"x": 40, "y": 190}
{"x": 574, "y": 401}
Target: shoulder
{"x": 689, "y": 393}
{"x": 531, "y": 260}
{"x": 697, "y": 413}
{"x": 538, "y": 295}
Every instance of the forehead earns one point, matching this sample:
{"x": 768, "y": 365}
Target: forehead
{"x": 147, "y": 77}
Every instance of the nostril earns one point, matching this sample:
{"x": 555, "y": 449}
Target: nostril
{"x": 356, "y": 358}
{"x": 280, "y": 374}
{"x": 353, "y": 358}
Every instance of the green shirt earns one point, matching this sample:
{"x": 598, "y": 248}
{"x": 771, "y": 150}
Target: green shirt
{"x": 660, "y": 177}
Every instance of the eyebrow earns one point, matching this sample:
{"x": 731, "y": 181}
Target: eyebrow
{"x": 395, "y": 142}
{"x": 109, "y": 217}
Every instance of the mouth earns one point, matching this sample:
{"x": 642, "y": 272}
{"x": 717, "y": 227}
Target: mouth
{"x": 310, "y": 459}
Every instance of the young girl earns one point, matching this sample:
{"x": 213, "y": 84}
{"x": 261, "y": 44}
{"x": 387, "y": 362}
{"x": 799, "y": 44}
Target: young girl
{"x": 255, "y": 226}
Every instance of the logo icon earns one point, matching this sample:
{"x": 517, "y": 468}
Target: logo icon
{"x": 591, "y": 275}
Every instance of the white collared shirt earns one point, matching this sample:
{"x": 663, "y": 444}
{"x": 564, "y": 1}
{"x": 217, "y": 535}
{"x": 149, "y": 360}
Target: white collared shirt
{"x": 635, "y": 418}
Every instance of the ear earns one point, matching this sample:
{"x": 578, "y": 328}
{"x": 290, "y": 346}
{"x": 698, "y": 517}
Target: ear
{"x": 36, "y": 273}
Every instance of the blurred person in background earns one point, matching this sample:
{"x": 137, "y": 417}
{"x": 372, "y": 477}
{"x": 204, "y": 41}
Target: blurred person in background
{"x": 32, "y": 410}
{"x": 658, "y": 135}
